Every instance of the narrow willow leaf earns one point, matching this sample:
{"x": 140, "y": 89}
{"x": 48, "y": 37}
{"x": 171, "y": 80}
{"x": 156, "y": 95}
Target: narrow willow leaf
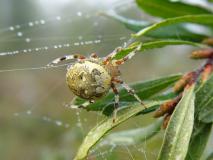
{"x": 163, "y": 43}
{"x": 144, "y": 89}
{"x": 179, "y": 129}
{"x": 205, "y": 19}
{"x": 105, "y": 126}
{"x": 133, "y": 136}
{"x": 198, "y": 140}
{"x": 204, "y": 101}
{"x": 156, "y": 44}
{"x": 168, "y": 9}
{"x": 176, "y": 31}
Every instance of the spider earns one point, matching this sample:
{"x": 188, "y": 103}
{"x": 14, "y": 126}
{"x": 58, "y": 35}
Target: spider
{"x": 91, "y": 78}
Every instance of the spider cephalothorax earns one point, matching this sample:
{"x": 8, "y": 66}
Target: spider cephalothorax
{"x": 91, "y": 78}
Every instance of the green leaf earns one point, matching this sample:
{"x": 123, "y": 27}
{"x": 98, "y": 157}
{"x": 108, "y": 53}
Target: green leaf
{"x": 172, "y": 32}
{"x": 144, "y": 90}
{"x": 168, "y": 9}
{"x": 163, "y": 43}
{"x": 133, "y": 136}
{"x": 106, "y": 125}
{"x": 155, "y": 44}
{"x": 179, "y": 129}
{"x": 205, "y": 19}
{"x": 198, "y": 140}
{"x": 204, "y": 101}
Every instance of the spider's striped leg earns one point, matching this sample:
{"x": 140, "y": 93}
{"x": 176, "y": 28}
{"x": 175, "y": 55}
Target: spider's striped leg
{"x": 127, "y": 57}
{"x": 109, "y": 57}
{"x": 116, "y": 103}
{"x": 129, "y": 90}
{"x": 83, "y": 105}
{"x": 65, "y": 58}
{"x": 94, "y": 55}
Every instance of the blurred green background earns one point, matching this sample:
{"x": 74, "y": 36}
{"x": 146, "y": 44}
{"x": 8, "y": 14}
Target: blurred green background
{"x": 34, "y": 124}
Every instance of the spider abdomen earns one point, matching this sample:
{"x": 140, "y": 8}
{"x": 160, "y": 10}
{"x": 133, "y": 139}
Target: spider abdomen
{"x": 88, "y": 80}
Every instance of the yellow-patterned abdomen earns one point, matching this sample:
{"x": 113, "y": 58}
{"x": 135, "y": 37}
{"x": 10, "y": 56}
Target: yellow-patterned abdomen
{"x": 88, "y": 80}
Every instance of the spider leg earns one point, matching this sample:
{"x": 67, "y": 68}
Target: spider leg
{"x": 83, "y": 105}
{"x": 65, "y": 58}
{"x": 116, "y": 103}
{"x": 94, "y": 55}
{"x": 111, "y": 55}
{"x": 127, "y": 57}
{"x": 129, "y": 90}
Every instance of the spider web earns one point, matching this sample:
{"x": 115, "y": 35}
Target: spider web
{"x": 33, "y": 100}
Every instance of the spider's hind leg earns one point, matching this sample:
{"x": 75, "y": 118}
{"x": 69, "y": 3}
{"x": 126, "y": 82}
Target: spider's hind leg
{"x": 65, "y": 58}
{"x": 130, "y": 90}
{"x": 116, "y": 103}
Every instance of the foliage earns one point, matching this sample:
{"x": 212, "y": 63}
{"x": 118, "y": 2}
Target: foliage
{"x": 190, "y": 124}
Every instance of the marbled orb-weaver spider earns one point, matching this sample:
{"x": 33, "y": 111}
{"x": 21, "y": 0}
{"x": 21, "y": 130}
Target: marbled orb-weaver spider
{"x": 91, "y": 78}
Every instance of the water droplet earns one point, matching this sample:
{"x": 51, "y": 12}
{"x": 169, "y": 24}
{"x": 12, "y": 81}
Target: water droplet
{"x": 79, "y": 14}
{"x": 80, "y": 37}
{"x": 12, "y": 28}
{"x": 58, "y": 18}
{"x": 29, "y": 112}
{"x": 42, "y": 21}
{"x": 19, "y": 34}
{"x": 31, "y": 24}
{"x": 76, "y": 44}
{"x": 59, "y": 123}
{"x": 27, "y": 40}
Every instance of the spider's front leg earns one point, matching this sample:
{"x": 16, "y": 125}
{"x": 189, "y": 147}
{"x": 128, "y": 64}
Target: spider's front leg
{"x": 65, "y": 58}
{"x": 109, "y": 57}
{"x": 94, "y": 55}
{"x": 129, "y": 90}
{"x": 116, "y": 103}
{"x": 127, "y": 57}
